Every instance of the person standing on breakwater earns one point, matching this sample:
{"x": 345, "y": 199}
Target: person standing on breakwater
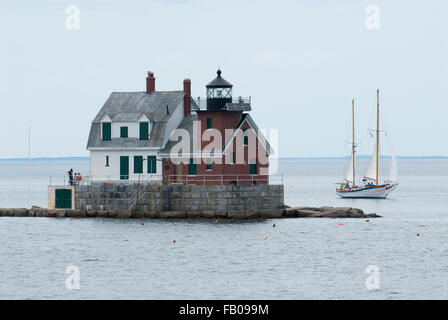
{"x": 78, "y": 178}
{"x": 70, "y": 177}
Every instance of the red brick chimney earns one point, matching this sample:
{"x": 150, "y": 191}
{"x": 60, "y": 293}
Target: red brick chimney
{"x": 187, "y": 97}
{"x": 150, "y": 82}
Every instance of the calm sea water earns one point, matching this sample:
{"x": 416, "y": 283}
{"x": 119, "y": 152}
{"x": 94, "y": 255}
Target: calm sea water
{"x": 300, "y": 259}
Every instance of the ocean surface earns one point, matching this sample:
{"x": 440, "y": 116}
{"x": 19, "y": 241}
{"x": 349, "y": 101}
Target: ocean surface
{"x": 300, "y": 259}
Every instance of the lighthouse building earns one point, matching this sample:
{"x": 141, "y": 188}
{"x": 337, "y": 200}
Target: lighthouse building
{"x": 173, "y": 138}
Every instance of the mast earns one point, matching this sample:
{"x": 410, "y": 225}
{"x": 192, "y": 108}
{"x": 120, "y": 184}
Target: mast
{"x": 377, "y": 130}
{"x": 353, "y": 138}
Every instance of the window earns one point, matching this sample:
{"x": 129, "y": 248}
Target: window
{"x": 192, "y": 167}
{"x": 253, "y": 166}
{"x": 232, "y": 157}
{"x": 123, "y": 132}
{"x": 209, "y": 123}
{"x": 245, "y": 138}
{"x": 107, "y": 129}
{"x": 107, "y": 161}
{"x": 209, "y": 165}
{"x": 152, "y": 168}
{"x": 144, "y": 130}
{"x": 138, "y": 164}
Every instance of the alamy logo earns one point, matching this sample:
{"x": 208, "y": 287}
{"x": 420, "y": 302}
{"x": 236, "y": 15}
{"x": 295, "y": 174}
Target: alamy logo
{"x": 373, "y": 17}
{"x": 373, "y": 280}
{"x": 73, "y": 278}
{"x": 72, "y": 18}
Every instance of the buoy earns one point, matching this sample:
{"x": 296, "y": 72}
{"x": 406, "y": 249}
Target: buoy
{"x": 340, "y": 224}
{"x": 367, "y": 220}
{"x": 273, "y": 225}
{"x": 174, "y": 241}
{"x": 265, "y": 237}
{"x": 143, "y": 223}
{"x": 418, "y": 234}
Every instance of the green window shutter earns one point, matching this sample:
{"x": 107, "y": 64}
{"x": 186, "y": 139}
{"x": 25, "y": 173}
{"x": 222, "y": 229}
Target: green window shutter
{"x": 124, "y": 167}
{"x": 232, "y": 157}
{"x": 209, "y": 123}
{"x": 152, "y": 164}
{"x": 123, "y": 132}
{"x": 253, "y": 166}
{"x": 107, "y": 161}
{"x": 138, "y": 164}
{"x": 144, "y": 130}
{"x": 107, "y": 131}
{"x": 192, "y": 167}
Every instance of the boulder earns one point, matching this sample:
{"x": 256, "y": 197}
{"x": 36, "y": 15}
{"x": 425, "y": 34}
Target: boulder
{"x": 221, "y": 214}
{"x": 75, "y": 213}
{"x": 122, "y": 214}
{"x": 20, "y": 212}
{"x": 151, "y": 214}
{"x": 252, "y": 214}
{"x": 236, "y": 214}
{"x": 272, "y": 213}
{"x": 101, "y": 213}
{"x": 194, "y": 214}
{"x": 208, "y": 214}
{"x": 173, "y": 214}
{"x": 112, "y": 214}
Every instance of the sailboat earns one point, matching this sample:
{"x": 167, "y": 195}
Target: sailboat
{"x": 371, "y": 187}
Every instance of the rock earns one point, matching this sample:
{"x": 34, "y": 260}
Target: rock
{"x": 91, "y": 213}
{"x": 373, "y": 215}
{"x": 121, "y": 214}
{"x": 51, "y": 213}
{"x": 112, "y": 214}
{"x": 252, "y": 214}
{"x": 101, "y": 213}
{"x": 221, "y": 214}
{"x": 20, "y": 212}
{"x": 173, "y": 214}
{"x": 208, "y": 214}
{"x": 304, "y": 213}
{"x": 271, "y": 213}
{"x": 75, "y": 213}
{"x": 290, "y": 212}
{"x": 3, "y": 212}
{"x": 35, "y": 207}
{"x": 236, "y": 214}
{"x": 193, "y": 214}
{"x": 151, "y": 214}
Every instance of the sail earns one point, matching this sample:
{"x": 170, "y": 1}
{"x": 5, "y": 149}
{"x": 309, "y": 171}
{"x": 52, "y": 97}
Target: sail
{"x": 392, "y": 171}
{"x": 371, "y": 169}
{"x": 349, "y": 174}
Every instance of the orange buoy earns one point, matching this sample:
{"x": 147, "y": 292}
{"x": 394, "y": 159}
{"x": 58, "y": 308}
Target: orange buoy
{"x": 143, "y": 223}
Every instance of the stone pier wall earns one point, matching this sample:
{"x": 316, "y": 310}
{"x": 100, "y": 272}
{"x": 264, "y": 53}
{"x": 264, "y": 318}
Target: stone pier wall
{"x": 156, "y": 197}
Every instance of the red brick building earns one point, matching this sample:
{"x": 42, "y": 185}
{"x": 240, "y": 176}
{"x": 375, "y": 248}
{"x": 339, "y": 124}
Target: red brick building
{"x": 217, "y": 142}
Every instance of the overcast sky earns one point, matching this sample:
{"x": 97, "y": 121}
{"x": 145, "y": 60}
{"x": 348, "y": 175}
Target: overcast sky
{"x": 301, "y": 61}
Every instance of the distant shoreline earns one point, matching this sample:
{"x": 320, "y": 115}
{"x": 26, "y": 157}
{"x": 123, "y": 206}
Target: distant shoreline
{"x": 48, "y": 159}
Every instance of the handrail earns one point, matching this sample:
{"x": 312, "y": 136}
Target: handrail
{"x": 217, "y": 179}
{"x": 202, "y": 102}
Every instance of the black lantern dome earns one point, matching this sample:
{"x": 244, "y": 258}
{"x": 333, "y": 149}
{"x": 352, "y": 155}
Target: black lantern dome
{"x": 219, "y": 92}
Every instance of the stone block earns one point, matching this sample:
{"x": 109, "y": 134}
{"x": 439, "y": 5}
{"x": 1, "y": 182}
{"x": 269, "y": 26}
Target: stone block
{"x": 194, "y": 214}
{"x": 236, "y": 214}
{"x": 173, "y": 214}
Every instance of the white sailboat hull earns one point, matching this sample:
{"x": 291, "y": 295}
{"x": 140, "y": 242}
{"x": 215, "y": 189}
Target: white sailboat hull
{"x": 380, "y": 192}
